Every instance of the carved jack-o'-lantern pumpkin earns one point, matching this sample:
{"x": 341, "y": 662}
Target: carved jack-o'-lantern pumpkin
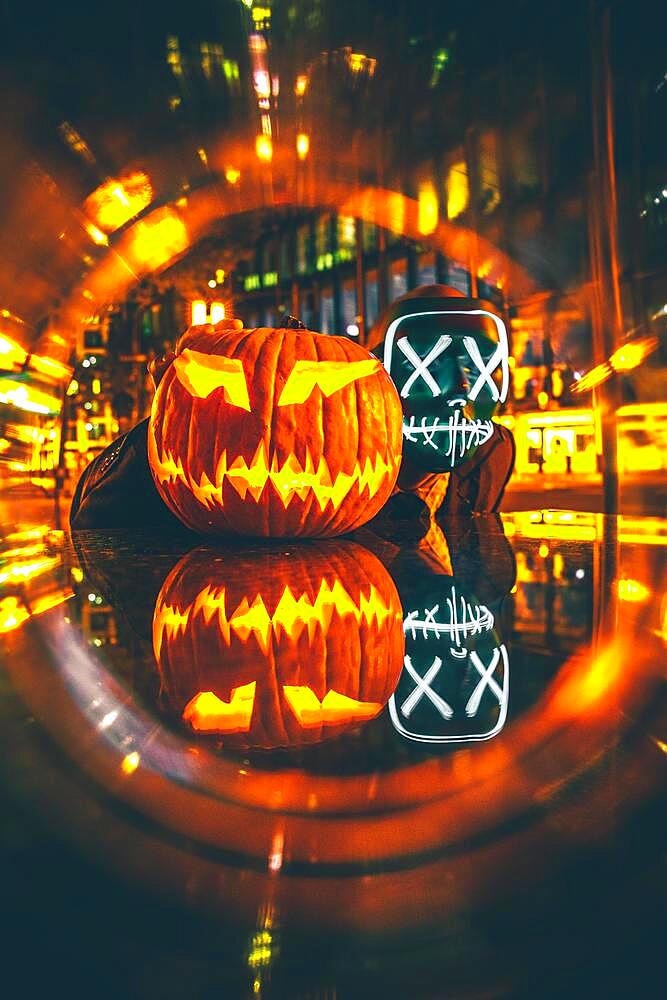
{"x": 274, "y": 433}
{"x": 265, "y": 648}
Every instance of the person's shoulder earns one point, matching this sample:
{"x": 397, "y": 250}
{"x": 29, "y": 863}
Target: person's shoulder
{"x": 124, "y": 459}
{"x": 138, "y": 437}
{"x": 505, "y": 447}
{"x": 478, "y": 485}
{"x": 127, "y": 447}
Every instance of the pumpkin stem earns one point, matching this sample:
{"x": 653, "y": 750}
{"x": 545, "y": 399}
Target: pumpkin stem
{"x": 291, "y": 323}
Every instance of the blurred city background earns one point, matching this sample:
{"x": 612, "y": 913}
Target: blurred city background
{"x": 168, "y": 164}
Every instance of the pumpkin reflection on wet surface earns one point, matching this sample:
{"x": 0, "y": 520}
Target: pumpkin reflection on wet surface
{"x": 277, "y": 648}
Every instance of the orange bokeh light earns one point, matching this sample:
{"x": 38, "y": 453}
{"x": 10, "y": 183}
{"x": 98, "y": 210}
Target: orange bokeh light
{"x": 118, "y": 200}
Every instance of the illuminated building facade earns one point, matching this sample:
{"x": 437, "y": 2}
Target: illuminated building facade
{"x": 499, "y": 145}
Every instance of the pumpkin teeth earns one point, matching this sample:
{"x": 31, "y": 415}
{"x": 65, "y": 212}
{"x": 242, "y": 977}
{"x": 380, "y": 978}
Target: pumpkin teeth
{"x": 291, "y": 615}
{"x": 172, "y": 621}
{"x": 208, "y": 603}
{"x": 289, "y": 480}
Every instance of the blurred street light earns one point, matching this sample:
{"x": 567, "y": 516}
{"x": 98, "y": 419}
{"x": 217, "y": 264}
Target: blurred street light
{"x": 264, "y": 148}
{"x": 217, "y": 312}
{"x": 117, "y": 200}
{"x": 198, "y": 313}
{"x": 302, "y": 145}
{"x": 632, "y": 354}
{"x": 96, "y": 235}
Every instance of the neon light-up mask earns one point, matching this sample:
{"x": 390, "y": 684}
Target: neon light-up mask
{"x": 455, "y": 682}
{"x": 448, "y": 358}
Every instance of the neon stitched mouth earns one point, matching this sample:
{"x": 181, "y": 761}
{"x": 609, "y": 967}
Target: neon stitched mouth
{"x": 465, "y": 620}
{"x": 463, "y": 434}
{"x": 288, "y": 480}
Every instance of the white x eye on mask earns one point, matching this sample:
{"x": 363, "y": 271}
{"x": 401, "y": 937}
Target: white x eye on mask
{"x": 500, "y": 356}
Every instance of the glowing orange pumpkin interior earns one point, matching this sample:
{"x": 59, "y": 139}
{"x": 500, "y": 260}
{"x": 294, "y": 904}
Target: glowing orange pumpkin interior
{"x": 274, "y": 433}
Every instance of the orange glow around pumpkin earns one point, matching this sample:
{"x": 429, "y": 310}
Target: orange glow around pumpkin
{"x": 207, "y": 713}
{"x": 201, "y": 374}
{"x": 291, "y": 615}
{"x": 330, "y": 376}
{"x": 289, "y": 480}
{"x": 333, "y": 708}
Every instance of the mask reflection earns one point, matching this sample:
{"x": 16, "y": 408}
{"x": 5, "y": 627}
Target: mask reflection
{"x": 455, "y": 682}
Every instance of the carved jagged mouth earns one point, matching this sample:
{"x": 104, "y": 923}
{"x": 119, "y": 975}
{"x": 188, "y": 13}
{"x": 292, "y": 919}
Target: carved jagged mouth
{"x": 463, "y": 620}
{"x": 463, "y": 434}
{"x": 288, "y": 480}
{"x": 291, "y": 614}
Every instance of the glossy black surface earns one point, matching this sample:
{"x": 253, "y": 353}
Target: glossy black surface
{"x": 513, "y": 852}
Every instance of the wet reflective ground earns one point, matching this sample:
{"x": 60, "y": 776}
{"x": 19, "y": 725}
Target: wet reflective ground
{"x": 379, "y": 765}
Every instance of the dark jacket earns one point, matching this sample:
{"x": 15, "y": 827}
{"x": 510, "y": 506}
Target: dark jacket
{"x": 476, "y": 486}
{"x": 117, "y": 490}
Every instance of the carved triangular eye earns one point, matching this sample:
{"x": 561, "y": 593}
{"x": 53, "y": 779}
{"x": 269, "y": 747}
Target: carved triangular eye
{"x": 330, "y": 376}
{"x": 201, "y": 374}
